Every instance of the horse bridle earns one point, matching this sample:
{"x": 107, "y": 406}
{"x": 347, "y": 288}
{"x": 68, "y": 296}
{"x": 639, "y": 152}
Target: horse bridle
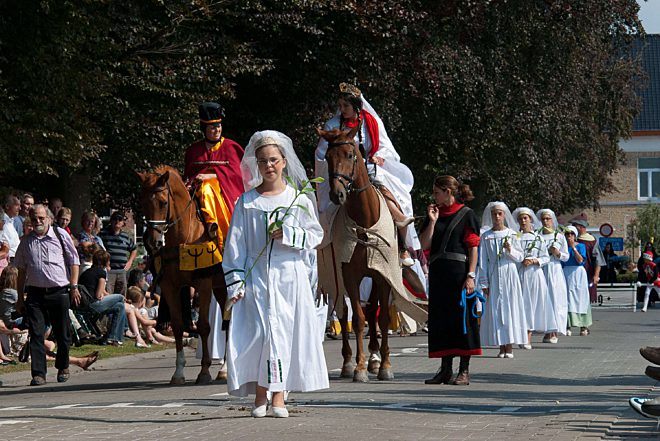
{"x": 347, "y": 181}
{"x": 163, "y": 225}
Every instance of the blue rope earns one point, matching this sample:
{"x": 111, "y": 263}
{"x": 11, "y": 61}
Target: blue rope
{"x": 464, "y": 298}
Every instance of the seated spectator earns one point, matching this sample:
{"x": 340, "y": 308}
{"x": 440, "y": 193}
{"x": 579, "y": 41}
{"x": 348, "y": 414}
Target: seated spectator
{"x": 86, "y": 254}
{"x": 147, "y": 316}
{"x": 94, "y": 281}
{"x": 87, "y": 235}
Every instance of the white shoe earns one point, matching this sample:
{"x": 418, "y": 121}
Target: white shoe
{"x": 500, "y": 355}
{"x": 527, "y": 346}
{"x": 280, "y": 412}
{"x": 509, "y": 355}
{"x": 568, "y": 333}
{"x": 643, "y": 309}
{"x": 636, "y": 404}
{"x": 259, "y": 411}
{"x": 554, "y": 340}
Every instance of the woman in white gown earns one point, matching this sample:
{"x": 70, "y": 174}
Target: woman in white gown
{"x": 274, "y": 341}
{"x": 393, "y": 178}
{"x": 503, "y": 319}
{"x": 539, "y": 309}
{"x": 558, "y": 252}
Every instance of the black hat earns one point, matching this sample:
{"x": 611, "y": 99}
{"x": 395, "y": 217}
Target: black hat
{"x": 211, "y": 113}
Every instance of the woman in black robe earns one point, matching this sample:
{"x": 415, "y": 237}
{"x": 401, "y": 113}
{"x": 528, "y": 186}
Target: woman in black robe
{"x": 451, "y": 232}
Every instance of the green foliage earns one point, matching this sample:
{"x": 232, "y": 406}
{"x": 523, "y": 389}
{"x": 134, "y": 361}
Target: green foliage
{"x": 524, "y": 99}
{"x": 646, "y": 227}
{"x": 627, "y": 277}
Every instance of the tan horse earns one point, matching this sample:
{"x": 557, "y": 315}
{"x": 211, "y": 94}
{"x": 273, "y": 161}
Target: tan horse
{"x": 171, "y": 221}
{"x": 351, "y": 189}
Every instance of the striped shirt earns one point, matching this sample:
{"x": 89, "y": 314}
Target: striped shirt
{"x": 119, "y": 246}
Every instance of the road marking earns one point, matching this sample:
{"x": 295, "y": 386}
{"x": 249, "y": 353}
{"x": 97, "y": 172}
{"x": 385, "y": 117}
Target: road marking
{"x": 13, "y": 408}
{"x": 66, "y": 406}
{"x": 14, "y": 422}
{"x": 221, "y": 394}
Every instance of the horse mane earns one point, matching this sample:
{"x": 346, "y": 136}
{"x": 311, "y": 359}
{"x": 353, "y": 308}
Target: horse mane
{"x": 162, "y": 168}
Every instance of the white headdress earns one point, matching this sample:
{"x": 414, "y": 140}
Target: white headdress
{"x": 528, "y": 211}
{"x": 546, "y": 211}
{"x": 487, "y": 219}
{"x": 250, "y": 170}
{"x": 571, "y": 229}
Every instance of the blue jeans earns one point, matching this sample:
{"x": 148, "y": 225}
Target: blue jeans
{"x": 113, "y": 304}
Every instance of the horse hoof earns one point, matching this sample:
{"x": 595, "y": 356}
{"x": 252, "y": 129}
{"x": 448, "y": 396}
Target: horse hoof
{"x": 360, "y": 377}
{"x": 373, "y": 367}
{"x": 385, "y": 374}
{"x": 347, "y": 370}
{"x": 221, "y": 377}
{"x": 178, "y": 381}
{"x": 203, "y": 378}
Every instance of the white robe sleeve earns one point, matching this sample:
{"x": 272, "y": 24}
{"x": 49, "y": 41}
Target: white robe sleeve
{"x": 302, "y": 231}
{"x": 516, "y": 254}
{"x": 235, "y": 255}
{"x": 385, "y": 147}
{"x": 563, "y": 252}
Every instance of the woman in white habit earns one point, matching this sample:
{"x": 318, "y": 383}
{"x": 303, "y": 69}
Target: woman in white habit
{"x": 503, "y": 320}
{"x": 274, "y": 337}
{"x": 539, "y": 309}
{"x": 558, "y": 252}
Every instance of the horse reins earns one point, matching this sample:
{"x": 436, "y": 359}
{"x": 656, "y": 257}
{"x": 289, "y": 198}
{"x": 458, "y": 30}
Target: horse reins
{"x": 347, "y": 181}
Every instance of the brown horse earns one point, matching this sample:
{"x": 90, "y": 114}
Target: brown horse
{"x": 351, "y": 188}
{"x": 172, "y": 220}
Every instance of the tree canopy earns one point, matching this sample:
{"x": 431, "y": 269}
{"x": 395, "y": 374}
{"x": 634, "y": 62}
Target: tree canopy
{"x": 524, "y": 99}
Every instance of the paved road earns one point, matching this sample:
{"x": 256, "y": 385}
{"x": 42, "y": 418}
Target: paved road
{"x": 575, "y": 389}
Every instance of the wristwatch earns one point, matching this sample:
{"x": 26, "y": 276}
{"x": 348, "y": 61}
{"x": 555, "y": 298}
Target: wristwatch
{"x": 472, "y": 275}
{"x": 73, "y": 286}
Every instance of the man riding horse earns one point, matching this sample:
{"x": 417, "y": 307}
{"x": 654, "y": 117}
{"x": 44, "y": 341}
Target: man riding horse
{"x": 213, "y": 168}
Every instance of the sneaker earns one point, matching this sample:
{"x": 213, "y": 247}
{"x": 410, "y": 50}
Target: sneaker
{"x": 62, "y": 375}
{"x": 568, "y": 333}
{"x": 501, "y": 355}
{"x": 38, "y": 380}
{"x": 547, "y": 339}
{"x": 554, "y": 340}
{"x": 508, "y": 355}
{"x": 527, "y": 346}
{"x": 636, "y": 404}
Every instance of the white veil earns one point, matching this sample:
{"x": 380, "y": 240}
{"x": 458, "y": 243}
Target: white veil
{"x": 536, "y": 223}
{"x": 487, "y": 220}
{"x": 552, "y": 214}
{"x": 294, "y": 169}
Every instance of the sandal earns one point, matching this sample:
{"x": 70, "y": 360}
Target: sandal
{"x": 91, "y": 359}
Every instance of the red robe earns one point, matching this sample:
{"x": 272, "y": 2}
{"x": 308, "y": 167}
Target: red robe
{"x": 225, "y": 162}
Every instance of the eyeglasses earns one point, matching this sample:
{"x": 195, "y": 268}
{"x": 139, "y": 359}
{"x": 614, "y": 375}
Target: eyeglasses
{"x": 269, "y": 161}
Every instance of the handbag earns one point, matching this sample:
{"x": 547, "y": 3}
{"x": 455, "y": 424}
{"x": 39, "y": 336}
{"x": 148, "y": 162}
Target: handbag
{"x": 24, "y": 354}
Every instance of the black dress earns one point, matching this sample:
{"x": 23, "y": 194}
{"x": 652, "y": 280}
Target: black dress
{"x": 447, "y": 318}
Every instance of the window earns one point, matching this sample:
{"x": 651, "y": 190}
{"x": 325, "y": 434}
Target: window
{"x": 648, "y": 174}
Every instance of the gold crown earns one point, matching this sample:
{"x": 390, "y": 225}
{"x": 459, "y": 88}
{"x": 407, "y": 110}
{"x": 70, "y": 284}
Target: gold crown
{"x": 266, "y": 140}
{"x": 350, "y": 89}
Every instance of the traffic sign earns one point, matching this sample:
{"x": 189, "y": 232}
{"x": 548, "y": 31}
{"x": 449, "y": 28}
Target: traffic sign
{"x": 606, "y": 230}
{"x": 617, "y": 242}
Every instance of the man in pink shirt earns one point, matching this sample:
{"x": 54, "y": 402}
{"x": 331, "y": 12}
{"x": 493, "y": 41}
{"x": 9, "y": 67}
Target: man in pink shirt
{"x": 48, "y": 265}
